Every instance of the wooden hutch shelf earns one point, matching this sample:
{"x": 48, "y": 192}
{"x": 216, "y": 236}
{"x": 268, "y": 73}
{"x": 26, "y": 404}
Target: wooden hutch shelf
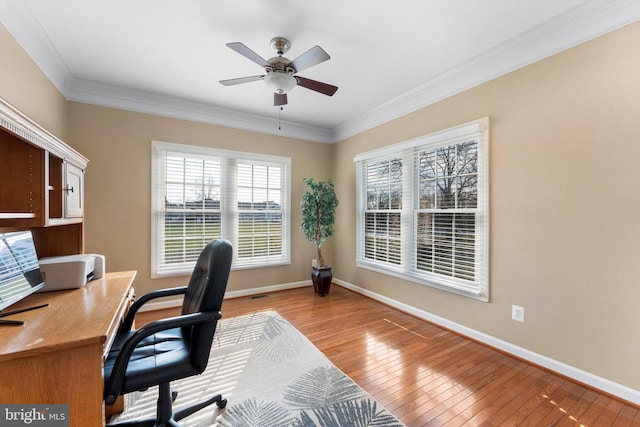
{"x": 43, "y": 184}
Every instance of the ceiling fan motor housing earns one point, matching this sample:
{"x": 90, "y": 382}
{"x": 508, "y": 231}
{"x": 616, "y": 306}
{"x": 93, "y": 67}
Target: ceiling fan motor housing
{"x": 280, "y": 64}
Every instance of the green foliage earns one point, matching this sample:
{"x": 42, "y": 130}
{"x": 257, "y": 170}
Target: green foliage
{"x": 319, "y": 204}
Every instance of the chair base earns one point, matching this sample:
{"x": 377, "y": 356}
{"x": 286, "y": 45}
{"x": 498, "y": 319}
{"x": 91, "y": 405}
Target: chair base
{"x": 165, "y": 417}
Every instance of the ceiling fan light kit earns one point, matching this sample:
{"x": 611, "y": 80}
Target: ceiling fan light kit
{"x": 279, "y": 71}
{"x": 280, "y": 82}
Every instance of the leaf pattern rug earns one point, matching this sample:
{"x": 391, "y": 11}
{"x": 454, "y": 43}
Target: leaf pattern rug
{"x": 272, "y": 376}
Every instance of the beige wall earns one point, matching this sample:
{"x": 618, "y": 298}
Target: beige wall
{"x": 118, "y": 187}
{"x": 564, "y": 206}
{"x": 26, "y": 87}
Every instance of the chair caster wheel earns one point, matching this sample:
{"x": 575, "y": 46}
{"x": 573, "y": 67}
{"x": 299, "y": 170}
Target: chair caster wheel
{"x": 222, "y": 403}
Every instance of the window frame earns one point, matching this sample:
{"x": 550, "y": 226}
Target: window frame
{"x": 229, "y": 211}
{"x": 409, "y": 151}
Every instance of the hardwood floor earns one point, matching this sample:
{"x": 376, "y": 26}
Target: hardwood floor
{"x": 426, "y": 375}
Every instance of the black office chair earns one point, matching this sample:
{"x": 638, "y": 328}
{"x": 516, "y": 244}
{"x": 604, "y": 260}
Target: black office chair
{"x": 169, "y": 349}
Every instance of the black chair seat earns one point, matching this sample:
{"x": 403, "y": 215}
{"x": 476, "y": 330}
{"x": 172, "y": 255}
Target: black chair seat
{"x": 157, "y": 359}
{"x": 168, "y": 335}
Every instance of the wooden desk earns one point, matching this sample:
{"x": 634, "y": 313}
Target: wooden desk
{"x": 57, "y": 355}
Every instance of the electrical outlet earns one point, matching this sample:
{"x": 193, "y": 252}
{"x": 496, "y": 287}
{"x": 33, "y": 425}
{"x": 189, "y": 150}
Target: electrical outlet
{"x": 517, "y": 313}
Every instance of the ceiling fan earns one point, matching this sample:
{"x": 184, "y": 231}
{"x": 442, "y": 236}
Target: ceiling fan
{"x": 280, "y": 72}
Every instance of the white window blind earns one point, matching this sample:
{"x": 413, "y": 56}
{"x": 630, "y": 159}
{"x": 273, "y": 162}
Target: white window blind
{"x": 200, "y": 194}
{"x": 260, "y": 213}
{"x": 383, "y": 211}
{"x": 423, "y": 209}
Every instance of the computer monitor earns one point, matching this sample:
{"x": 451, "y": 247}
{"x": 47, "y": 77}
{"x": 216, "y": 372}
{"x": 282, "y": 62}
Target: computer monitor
{"x": 19, "y": 269}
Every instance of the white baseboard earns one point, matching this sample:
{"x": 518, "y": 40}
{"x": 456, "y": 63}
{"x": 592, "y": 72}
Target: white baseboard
{"x": 265, "y": 289}
{"x": 230, "y": 294}
{"x": 623, "y": 392}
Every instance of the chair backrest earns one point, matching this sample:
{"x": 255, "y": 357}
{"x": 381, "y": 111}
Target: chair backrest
{"x": 205, "y": 293}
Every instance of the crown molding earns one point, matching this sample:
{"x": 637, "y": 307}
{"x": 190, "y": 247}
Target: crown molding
{"x": 577, "y": 25}
{"x": 573, "y": 27}
{"x": 91, "y": 92}
{"x": 19, "y": 20}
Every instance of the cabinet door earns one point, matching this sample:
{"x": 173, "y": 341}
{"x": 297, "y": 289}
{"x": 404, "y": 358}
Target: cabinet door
{"x": 74, "y": 189}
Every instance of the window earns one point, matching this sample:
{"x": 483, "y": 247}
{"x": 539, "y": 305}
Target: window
{"x": 200, "y": 194}
{"x": 423, "y": 209}
{"x": 383, "y": 212}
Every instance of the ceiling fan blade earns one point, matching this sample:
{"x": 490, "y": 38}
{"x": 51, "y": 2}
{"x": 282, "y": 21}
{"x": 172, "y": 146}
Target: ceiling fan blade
{"x": 313, "y": 56}
{"x": 231, "y": 82}
{"x": 279, "y": 99}
{"x": 323, "y": 88}
{"x": 248, "y": 53}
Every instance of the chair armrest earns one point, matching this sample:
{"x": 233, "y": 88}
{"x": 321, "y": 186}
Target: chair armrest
{"x": 114, "y": 383}
{"x": 127, "y": 324}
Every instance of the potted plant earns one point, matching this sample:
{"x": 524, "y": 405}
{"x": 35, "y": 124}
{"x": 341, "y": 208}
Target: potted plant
{"x": 318, "y": 216}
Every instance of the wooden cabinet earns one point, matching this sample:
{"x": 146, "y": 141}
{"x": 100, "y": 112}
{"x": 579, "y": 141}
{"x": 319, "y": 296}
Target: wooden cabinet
{"x": 66, "y": 191}
{"x": 41, "y": 184}
{"x": 73, "y": 191}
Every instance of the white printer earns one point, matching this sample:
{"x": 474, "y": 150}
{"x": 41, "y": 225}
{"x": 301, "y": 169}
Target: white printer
{"x": 70, "y": 271}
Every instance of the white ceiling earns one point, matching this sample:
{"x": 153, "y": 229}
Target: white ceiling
{"x": 388, "y": 57}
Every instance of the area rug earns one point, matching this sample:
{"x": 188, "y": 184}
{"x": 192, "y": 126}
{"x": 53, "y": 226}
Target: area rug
{"x": 271, "y": 376}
